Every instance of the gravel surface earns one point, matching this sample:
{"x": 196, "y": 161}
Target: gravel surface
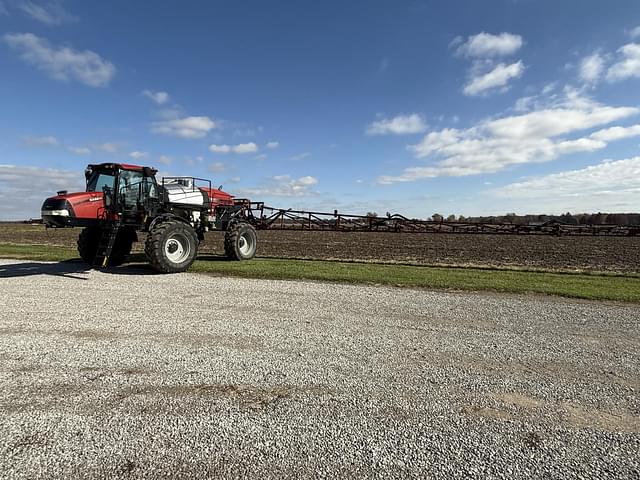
{"x": 128, "y": 374}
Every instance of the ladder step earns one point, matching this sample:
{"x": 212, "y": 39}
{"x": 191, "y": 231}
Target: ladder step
{"x": 105, "y": 245}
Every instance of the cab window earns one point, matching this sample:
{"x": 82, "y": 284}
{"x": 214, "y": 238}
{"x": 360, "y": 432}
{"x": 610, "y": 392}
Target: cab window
{"x": 131, "y": 186}
{"x": 99, "y": 180}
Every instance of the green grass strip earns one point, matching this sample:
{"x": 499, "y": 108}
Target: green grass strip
{"x": 588, "y": 286}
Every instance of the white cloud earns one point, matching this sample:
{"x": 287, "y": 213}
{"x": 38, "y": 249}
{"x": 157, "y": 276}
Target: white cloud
{"x": 635, "y": 32}
{"x": 32, "y": 185}
{"x": 62, "y": 63}
{"x": 524, "y": 104}
{"x": 165, "y": 160}
{"x": 616, "y": 133}
{"x": 485, "y": 45}
{"x": 80, "y": 150}
{"x": 158, "y": 97}
{"x": 284, "y": 186}
{"x": 108, "y": 147}
{"x": 398, "y": 125}
{"x": 187, "y": 127}
{"x": 217, "y": 167}
{"x": 51, "y": 13}
{"x": 241, "y": 148}
{"x": 234, "y": 180}
{"x": 136, "y": 155}
{"x": 245, "y": 148}
{"x": 591, "y": 68}
{"x": 498, "y": 77}
{"x": 262, "y": 156}
{"x": 219, "y": 148}
{"x": 628, "y": 64}
{"x": 613, "y": 185}
{"x": 273, "y": 145}
{"x": 300, "y": 156}
{"x": 44, "y": 141}
{"x": 496, "y": 144}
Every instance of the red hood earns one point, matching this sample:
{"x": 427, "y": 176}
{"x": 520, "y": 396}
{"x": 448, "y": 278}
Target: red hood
{"x": 76, "y": 197}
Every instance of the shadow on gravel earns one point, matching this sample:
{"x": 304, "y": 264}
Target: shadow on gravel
{"x": 69, "y": 269}
{"x": 61, "y": 269}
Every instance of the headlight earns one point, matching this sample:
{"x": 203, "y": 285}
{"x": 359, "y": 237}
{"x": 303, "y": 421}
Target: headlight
{"x": 56, "y": 213}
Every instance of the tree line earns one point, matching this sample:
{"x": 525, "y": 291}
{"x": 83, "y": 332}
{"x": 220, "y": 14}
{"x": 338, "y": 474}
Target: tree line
{"x": 566, "y": 218}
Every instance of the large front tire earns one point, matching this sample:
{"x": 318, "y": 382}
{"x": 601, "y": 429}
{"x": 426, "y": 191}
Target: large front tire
{"x": 171, "y": 246}
{"x": 88, "y": 241}
{"x": 240, "y": 241}
{"x": 90, "y": 237}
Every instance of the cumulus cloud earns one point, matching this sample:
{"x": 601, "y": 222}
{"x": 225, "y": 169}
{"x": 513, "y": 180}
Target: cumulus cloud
{"x": 245, "y": 148}
{"x": 219, "y": 148}
{"x": 498, "y": 77}
{"x": 50, "y": 13}
{"x": 31, "y": 185}
{"x": 398, "y": 125}
{"x": 44, "y": 141}
{"x": 591, "y": 68}
{"x": 485, "y": 76}
{"x": 627, "y": 65}
{"x": 273, "y": 145}
{"x": 495, "y": 144}
{"x": 79, "y": 150}
{"x": 187, "y": 127}
{"x": 616, "y": 133}
{"x": 157, "y": 97}
{"x": 62, "y": 63}
{"x": 284, "y": 186}
{"x": 485, "y": 45}
{"x": 241, "y": 148}
{"x": 608, "y": 185}
{"x": 136, "y": 155}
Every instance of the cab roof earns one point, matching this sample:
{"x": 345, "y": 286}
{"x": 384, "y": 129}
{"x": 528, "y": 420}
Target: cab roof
{"x": 122, "y": 166}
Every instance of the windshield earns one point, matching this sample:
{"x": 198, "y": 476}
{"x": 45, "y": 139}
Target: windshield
{"x": 98, "y": 180}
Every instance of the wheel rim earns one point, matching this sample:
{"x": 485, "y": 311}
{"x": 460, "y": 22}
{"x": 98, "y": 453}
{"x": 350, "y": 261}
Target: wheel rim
{"x": 244, "y": 245}
{"x": 177, "y": 248}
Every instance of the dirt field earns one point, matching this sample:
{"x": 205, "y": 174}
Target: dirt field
{"x": 613, "y": 254}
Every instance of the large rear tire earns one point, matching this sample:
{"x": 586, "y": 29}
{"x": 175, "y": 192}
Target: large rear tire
{"x": 240, "y": 241}
{"x": 89, "y": 239}
{"x": 171, "y": 246}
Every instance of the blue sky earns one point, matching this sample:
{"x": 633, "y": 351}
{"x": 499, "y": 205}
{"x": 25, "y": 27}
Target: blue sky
{"x": 416, "y": 107}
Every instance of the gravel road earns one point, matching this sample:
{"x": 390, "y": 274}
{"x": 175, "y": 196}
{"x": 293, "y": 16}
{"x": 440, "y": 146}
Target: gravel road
{"x": 127, "y": 374}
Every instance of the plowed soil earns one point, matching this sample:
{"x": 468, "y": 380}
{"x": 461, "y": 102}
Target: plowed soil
{"x": 609, "y": 254}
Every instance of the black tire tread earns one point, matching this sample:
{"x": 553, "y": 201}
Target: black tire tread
{"x": 88, "y": 244}
{"x": 231, "y": 250}
{"x": 89, "y": 239}
{"x": 154, "y": 251}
